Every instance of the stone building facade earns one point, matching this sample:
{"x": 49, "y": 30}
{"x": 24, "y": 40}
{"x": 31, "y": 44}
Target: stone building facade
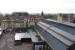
{"x": 16, "y": 21}
{"x": 66, "y": 18}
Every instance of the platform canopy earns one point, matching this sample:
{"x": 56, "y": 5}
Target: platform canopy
{"x": 19, "y": 36}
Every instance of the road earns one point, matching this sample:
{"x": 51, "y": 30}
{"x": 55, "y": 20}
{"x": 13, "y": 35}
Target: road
{"x": 7, "y": 43}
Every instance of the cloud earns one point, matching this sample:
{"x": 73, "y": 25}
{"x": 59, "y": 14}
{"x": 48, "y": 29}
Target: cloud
{"x": 36, "y": 6}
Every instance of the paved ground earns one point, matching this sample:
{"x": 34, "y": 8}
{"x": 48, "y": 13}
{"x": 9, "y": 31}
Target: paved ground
{"x": 7, "y": 43}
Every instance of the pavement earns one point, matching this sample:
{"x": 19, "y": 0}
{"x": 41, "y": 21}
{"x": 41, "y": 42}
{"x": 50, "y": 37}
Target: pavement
{"x": 7, "y": 43}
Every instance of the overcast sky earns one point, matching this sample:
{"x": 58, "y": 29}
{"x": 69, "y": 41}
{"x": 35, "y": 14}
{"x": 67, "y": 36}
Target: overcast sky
{"x": 37, "y": 6}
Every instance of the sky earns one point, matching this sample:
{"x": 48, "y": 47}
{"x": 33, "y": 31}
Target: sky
{"x": 37, "y": 6}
